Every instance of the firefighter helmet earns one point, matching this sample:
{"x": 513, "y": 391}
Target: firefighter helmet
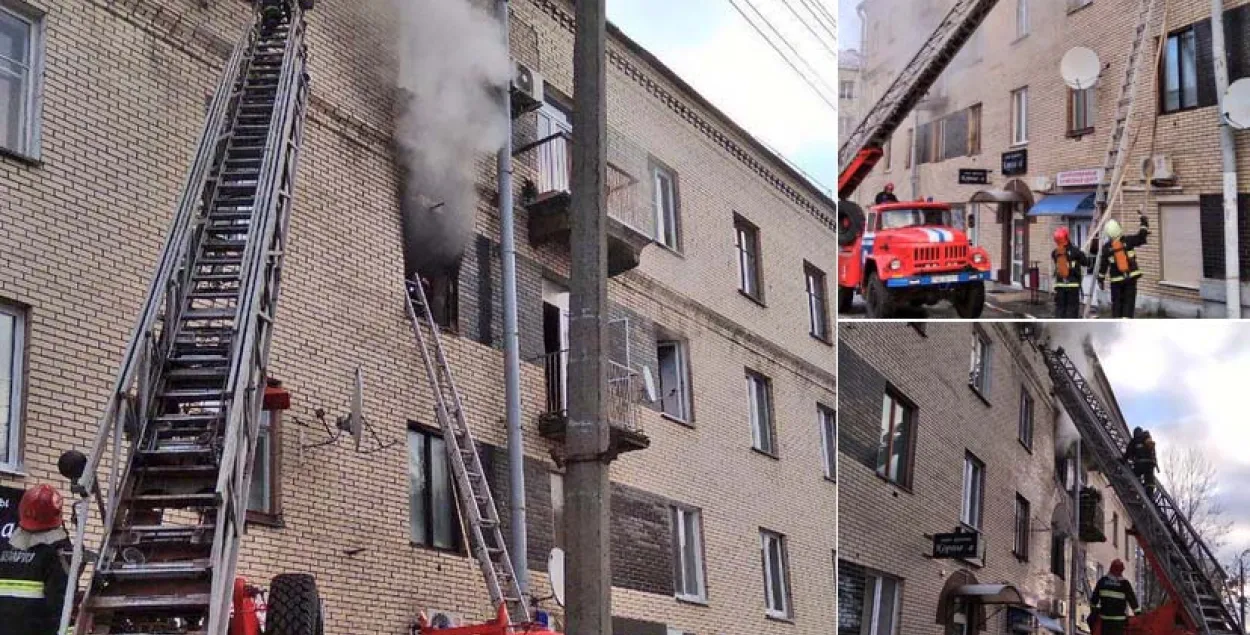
{"x": 1114, "y": 231}
{"x": 1061, "y": 236}
{"x": 1117, "y": 567}
{"x": 40, "y": 509}
{"x": 889, "y": 187}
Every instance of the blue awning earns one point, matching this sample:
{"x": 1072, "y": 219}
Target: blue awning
{"x": 1080, "y": 204}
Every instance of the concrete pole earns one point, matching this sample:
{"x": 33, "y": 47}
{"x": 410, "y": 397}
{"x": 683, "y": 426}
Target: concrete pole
{"x": 511, "y": 340}
{"x": 588, "y": 579}
{"x": 915, "y": 155}
{"x": 1228, "y": 151}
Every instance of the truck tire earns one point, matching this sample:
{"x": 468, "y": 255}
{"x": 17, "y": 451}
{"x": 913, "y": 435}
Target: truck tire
{"x": 969, "y": 300}
{"x": 846, "y": 297}
{"x": 850, "y": 222}
{"x": 294, "y": 606}
{"x": 877, "y": 297}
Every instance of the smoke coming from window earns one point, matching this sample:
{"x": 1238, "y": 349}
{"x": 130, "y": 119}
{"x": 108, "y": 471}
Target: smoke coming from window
{"x": 451, "y": 66}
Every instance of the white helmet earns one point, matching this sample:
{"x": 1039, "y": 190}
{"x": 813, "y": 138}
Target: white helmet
{"x": 1114, "y": 231}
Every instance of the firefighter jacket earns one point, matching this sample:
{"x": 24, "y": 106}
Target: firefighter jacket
{"x": 1141, "y": 451}
{"x": 1119, "y": 257}
{"x": 1111, "y": 599}
{"x": 885, "y": 197}
{"x": 32, "y": 583}
{"x": 1069, "y": 261}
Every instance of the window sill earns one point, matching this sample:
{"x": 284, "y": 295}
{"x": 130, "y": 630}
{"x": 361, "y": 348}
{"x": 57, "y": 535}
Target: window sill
{"x": 1028, "y": 448}
{"x": 273, "y": 521}
{"x": 1072, "y": 10}
{"x": 676, "y": 420}
{"x": 693, "y": 601}
{"x": 1019, "y": 39}
{"x": 767, "y": 454}
{"x": 446, "y": 552}
{"x": 676, "y": 251}
{"x": 831, "y": 479}
{"x": 14, "y": 472}
{"x": 906, "y": 489}
{"x": 778, "y": 617}
{"x": 752, "y": 298}
{"x": 1179, "y": 285}
{"x": 28, "y": 160}
{"x": 823, "y": 339}
{"x": 1078, "y": 134}
{"x": 1019, "y": 144}
{"x": 976, "y": 391}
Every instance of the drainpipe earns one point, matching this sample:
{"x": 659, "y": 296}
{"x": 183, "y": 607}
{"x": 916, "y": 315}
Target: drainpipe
{"x": 1232, "y": 265}
{"x": 511, "y": 341}
{"x": 1078, "y": 564}
{"x": 915, "y": 154}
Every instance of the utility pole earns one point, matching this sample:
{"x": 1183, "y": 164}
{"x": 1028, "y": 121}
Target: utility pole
{"x": 588, "y": 581}
{"x": 1228, "y": 150}
{"x": 511, "y": 338}
{"x": 1078, "y": 562}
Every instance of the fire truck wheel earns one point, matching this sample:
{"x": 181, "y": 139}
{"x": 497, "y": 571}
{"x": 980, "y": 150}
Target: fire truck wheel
{"x": 846, "y": 297}
{"x": 970, "y": 301}
{"x": 877, "y": 297}
{"x": 850, "y": 222}
{"x": 294, "y": 606}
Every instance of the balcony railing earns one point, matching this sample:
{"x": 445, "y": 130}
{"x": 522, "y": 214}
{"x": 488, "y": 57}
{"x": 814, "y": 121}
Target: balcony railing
{"x": 624, "y": 388}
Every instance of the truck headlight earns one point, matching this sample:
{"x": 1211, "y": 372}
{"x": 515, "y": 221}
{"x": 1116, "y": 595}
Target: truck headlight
{"x": 977, "y": 258}
{"x": 896, "y": 264}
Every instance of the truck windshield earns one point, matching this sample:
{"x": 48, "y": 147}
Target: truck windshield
{"x": 897, "y": 218}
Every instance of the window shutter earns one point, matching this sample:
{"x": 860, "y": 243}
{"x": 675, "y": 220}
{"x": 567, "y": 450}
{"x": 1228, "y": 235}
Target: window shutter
{"x": 1207, "y": 95}
{"x": 1211, "y": 220}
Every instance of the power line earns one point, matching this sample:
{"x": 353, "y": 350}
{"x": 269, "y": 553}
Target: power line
{"x": 814, "y": 7}
{"x": 819, "y": 39}
{"x": 784, "y": 57}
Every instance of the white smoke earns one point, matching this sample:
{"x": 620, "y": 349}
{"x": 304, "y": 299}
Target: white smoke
{"x": 451, "y": 66}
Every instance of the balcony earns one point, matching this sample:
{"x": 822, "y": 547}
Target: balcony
{"x": 631, "y": 225}
{"x": 624, "y": 390}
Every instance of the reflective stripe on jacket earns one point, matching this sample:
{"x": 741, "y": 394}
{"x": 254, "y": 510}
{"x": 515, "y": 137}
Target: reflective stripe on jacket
{"x": 1112, "y": 598}
{"x": 1128, "y": 244}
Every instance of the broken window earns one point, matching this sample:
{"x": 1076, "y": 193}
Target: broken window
{"x": 432, "y": 502}
{"x": 442, "y": 291}
{"x": 894, "y": 456}
{"x": 688, "y": 540}
{"x": 974, "y": 492}
{"x": 674, "y": 395}
{"x": 759, "y": 398}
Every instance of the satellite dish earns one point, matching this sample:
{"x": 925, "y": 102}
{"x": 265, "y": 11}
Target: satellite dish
{"x": 1080, "y": 68}
{"x": 555, "y": 571}
{"x": 1237, "y": 104}
{"x": 648, "y": 384}
{"x": 355, "y": 420}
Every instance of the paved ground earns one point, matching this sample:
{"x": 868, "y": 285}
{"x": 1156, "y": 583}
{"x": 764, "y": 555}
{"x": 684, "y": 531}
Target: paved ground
{"x": 1001, "y": 303}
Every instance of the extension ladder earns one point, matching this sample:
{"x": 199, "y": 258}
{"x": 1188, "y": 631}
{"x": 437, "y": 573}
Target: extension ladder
{"x": 1186, "y": 565}
{"x": 476, "y": 502}
{"x": 1118, "y": 142}
{"x": 181, "y": 426}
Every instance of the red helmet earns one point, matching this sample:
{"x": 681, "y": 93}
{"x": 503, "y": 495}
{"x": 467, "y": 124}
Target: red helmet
{"x": 889, "y": 187}
{"x": 40, "y": 509}
{"x": 1061, "y": 236}
{"x": 1117, "y": 567}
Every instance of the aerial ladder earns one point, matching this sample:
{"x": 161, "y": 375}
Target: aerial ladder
{"x": 169, "y": 470}
{"x": 1189, "y": 571}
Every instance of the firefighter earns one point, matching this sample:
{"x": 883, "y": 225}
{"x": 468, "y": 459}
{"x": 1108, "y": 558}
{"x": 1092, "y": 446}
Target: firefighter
{"x": 1140, "y": 455}
{"x": 1069, "y": 261}
{"x": 272, "y": 13}
{"x": 33, "y": 573}
{"x": 1119, "y": 258}
{"x": 1112, "y": 598}
{"x": 886, "y": 195}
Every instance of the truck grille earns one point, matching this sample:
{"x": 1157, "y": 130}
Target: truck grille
{"x": 941, "y": 256}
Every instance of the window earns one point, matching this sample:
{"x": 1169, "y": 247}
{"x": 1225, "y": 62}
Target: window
{"x": 886, "y": 153}
{"x": 1181, "y": 237}
{"x": 881, "y": 605}
{"x": 974, "y": 130}
{"x": 263, "y": 500}
{"x": 817, "y": 302}
{"x": 674, "y": 394}
{"x": 1058, "y": 555}
{"x": 979, "y": 373}
{"x": 1180, "y": 71}
{"x": 1024, "y": 516}
{"x": 1081, "y": 111}
{"x": 1022, "y": 18}
{"x": 1115, "y": 529}
{"x": 759, "y": 398}
{"x": 748, "y": 244}
{"x": 12, "y": 358}
{"x": 1026, "y": 418}
{"x": 20, "y": 58}
{"x": 894, "y": 456}
{"x": 846, "y": 89}
{"x": 1020, "y": 116}
{"x": 688, "y": 540}
{"x": 776, "y": 574}
{"x": 829, "y": 440}
{"x": 432, "y": 502}
{"x": 974, "y": 492}
{"x": 665, "y": 203}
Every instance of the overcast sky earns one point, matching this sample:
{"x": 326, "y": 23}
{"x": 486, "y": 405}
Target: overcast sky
{"x": 1185, "y": 384}
{"x": 848, "y": 25}
{"x": 713, "y": 48}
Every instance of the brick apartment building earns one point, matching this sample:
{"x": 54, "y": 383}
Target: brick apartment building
{"x": 952, "y": 428}
{"x": 850, "y": 102}
{"x": 1002, "y": 106}
{"x": 718, "y": 293}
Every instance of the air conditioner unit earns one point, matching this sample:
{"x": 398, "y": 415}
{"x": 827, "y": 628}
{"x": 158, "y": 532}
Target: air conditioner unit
{"x": 527, "y": 89}
{"x": 1158, "y": 170}
{"x": 443, "y": 619}
{"x": 1061, "y": 608}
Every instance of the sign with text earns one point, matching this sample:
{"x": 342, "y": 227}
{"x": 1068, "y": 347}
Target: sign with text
{"x": 974, "y": 177}
{"x": 962, "y": 545}
{"x": 1016, "y": 162}
{"x": 1078, "y": 178}
{"x": 10, "y": 497}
